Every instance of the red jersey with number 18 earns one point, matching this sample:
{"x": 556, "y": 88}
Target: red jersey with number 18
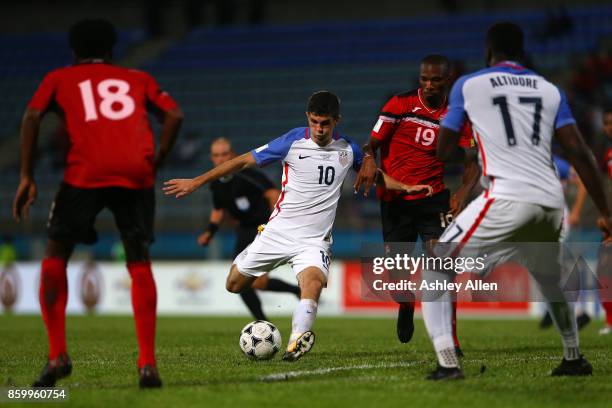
{"x": 105, "y": 111}
{"x": 408, "y": 130}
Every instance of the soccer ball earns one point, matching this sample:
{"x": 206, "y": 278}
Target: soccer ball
{"x": 260, "y": 340}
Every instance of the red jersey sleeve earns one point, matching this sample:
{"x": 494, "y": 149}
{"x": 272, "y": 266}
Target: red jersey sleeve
{"x": 44, "y": 94}
{"x": 389, "y": 118}
{"x": 157, "y": 97}
{"x": 466, "y": 138}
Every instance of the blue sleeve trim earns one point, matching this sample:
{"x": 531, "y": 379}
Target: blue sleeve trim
{"x": 564, "y": 113}
{"x": 277, "y": 149}
{"x": 357, "y": 154}
{"x": 455, "y": 117}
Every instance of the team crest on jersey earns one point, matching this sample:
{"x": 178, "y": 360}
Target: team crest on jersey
{"x": 343, "y": 158}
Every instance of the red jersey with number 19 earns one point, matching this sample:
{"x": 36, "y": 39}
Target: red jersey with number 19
{"x": 408, "y": 130}
{"x": 105, "y": 111}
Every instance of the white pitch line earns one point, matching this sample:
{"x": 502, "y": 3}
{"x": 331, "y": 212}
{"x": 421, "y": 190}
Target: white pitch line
{"x": 322, "y": 371}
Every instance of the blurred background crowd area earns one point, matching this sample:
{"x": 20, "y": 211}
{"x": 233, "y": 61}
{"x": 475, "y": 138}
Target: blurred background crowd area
{"x": 244, "y": 69}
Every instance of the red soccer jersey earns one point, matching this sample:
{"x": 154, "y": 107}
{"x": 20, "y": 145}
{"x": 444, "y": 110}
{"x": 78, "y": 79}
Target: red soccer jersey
{"x": 105, "y": 111}
{"x": 408, "y": 130}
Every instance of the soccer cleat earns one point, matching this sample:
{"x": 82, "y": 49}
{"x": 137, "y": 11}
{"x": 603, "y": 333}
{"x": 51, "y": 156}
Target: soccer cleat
{"x": 301, "y": 346}
{"x": 604, "y": 331}
{"x": 446, "y": 373}
{"x": 55, "y": 369}
{"x": 405, "y": 322}
{"x": 583, "y": 320}
{"x": 458, "y": 352}
{"x": 149, "y": 377}
{"x": 578, "y": 367}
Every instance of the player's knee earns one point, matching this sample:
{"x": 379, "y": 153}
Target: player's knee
{"x": 57, "y": 249}
{"x": 233, "y": 283}
{"x": 232, "y": 287}
{"x": 136, "y": 250}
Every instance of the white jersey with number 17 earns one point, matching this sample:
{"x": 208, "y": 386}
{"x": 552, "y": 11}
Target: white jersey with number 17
{"x": 514, "y": 114}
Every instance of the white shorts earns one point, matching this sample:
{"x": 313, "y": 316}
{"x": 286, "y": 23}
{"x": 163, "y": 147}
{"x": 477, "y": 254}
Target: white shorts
{"x": 501, "y": 228}
{"x": 269, "y": 251}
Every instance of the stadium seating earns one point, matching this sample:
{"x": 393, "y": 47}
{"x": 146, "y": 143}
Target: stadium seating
{"x": 254, "y": 90}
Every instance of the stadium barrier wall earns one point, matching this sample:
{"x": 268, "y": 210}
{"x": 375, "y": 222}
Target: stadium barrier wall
{"x": 198, "y": 288}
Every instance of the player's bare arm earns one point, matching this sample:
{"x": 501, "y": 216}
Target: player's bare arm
{"x": 581, "y": 158}
{"x": 367, "y": 173}
{"x": 182, "y": 187}
{"x": 216, "y": 217}
{"x": 26, "y": 192}
{"x": 390, "y": 183}
{"x": 581, "y": 194}
{"x": 172, "y": 121}
{"x": 272, "y": 197}
{"x": 448, "y": 149}
{"x": 469, "y": 182}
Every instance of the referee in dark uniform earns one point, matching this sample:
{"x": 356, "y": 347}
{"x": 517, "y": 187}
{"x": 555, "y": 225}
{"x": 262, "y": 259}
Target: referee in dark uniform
{"x": 248, "y": 197}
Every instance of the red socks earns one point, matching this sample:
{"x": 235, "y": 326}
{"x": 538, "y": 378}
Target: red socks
{"x": 144, "y": 303}
{"x": 455, "y": 339}
{"x": 53, "y": 297}
{"x": 608, "y": 308}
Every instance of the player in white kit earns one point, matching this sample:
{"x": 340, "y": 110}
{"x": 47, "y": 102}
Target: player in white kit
{"x": 514, "y": 113}
{"x": 315, "y": 160}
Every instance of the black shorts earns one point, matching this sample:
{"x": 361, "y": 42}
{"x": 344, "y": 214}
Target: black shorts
{"x": 74, "y": 211}
{"x": 406, "y": 220}
{"x": 244, "y": 236}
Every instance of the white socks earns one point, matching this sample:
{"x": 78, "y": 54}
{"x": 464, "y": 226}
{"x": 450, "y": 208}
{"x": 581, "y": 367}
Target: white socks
{"x": 438, "y": 316}
{"x": 303, "y": 318}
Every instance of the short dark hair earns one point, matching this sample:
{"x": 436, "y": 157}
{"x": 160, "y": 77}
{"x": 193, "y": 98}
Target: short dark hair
{"x": 437, "y": 59}
{"x": 607, "y": 110}
{"x": 324, "y": 103}
{"x": 92, "y": 38}
{"x": 506, "y": 39}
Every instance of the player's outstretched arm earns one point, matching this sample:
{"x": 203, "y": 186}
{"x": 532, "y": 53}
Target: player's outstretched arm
{"x": 390, "y": 183}
{"x": 182, "y": 187}
{"x": 469, "y": 182}
{"x": 26, "y": 192}
{"x": 367, "y": 172}
{"x": 583, "y": 161}
{"x": 172, "y": 121}
{"x": 448, "y": 149}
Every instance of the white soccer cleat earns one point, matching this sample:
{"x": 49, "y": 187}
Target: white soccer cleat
{"x": 604, "y": 331}
{"x": 299, "y": 347}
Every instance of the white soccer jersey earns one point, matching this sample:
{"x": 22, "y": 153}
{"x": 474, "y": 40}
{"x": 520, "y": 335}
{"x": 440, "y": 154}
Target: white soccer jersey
{"x": 311, "y": 183}
{"x": 514, "y": 114}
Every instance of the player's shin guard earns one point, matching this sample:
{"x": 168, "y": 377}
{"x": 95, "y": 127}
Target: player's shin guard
{"x": 303, "y": 318}
{"x": 437, "y": 310}
{"x": 53, "y": 297}
{"x": 144, "y": 303}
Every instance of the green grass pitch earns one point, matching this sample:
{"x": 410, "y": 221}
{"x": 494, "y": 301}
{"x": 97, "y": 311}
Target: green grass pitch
{"x": 356, "y": 362}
